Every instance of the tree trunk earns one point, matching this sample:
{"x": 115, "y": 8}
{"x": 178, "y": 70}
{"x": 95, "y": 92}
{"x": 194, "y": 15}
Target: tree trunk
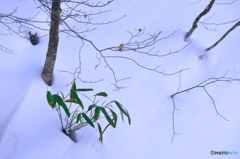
{"x": 47, "y": 73}
{"x": 204, "y": 12}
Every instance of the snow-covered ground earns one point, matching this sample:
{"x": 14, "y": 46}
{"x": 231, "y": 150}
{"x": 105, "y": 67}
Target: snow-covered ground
{"x": 29, "y": 129}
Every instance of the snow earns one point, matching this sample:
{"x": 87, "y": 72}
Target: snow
{"x": 29, "y": 129}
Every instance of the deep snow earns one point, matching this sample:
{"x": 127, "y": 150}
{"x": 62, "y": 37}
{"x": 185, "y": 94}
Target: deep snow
{"x": 29, "y": 128}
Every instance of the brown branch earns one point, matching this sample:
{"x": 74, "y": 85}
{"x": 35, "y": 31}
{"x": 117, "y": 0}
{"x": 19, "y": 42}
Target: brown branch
{"x": 215, "y": 44}
{"x": 86, "y": 3}
{"x": 203, "y": 86}
{"x": 194, "y": 25}
{"x": 129, "y": 46}
{"x": 226, "y": 3}
{"x": 5, "y": 49}
{"x": 195, "y": 2}
{"x": 173, "y": 119}
{"x": 206, "y": 24}
{"x": 78, "y": 77}
{"x": 73, "y": 12}
{"x": 147, "y": 68}
{"x": 163, "y": 55}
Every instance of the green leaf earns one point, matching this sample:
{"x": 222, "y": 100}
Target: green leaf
{"x": 96, "y": 113}
{"x": 89, "y": 121}
{"x": 74, "y": 86}
{"x": 84, "y": 89}
{"x": 92, "y": 106}
{"x": 50, "y": 98}
{"x": 100, "y": 132}
{"x": 114, "y": 117}
{"x": 120, "y": 107}
{"x": 121, "y": 113}
{"x": 103, "y": 94}
{"x": 79, "y": 118}
{"x": 129, "y": 119}
{"x": 54, "y": 100}
{"x": 123, "y": 110}
{"x": 64, "y": 106}
{"x": 110, "y": 121}
{"x": 74, "y": 95}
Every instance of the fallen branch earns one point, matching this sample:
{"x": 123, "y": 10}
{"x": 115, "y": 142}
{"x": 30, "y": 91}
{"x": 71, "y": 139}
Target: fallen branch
{"x": 202, "y": 85}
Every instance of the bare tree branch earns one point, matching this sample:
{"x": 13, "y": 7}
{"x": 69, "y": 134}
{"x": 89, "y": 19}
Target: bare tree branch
{"x": 72, "y": 11}
{"x": 206, "y": 24}
{"x": 231, "y": 29}
{"x": 130, "y": 45}
{"x": 226, "y": 3}
{"x": 5, "y": 49}
{"x": 173, "y": 119}
{"x": 204, "y": 12}
{"x": 202, "y": 85}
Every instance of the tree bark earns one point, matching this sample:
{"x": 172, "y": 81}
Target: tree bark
{"x": 48, "y": 69}
{"x": 194, "y": 25}
{"x": 236, "y": 25}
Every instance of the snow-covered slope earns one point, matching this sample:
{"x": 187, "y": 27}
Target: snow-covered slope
{"x": 29, "y": 129}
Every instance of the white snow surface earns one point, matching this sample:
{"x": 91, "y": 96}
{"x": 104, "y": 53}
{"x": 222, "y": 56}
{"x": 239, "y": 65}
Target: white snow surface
{"x": 30, "y": 129}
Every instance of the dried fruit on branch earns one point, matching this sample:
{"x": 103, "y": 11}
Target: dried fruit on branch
{"x": 121, "y": 47}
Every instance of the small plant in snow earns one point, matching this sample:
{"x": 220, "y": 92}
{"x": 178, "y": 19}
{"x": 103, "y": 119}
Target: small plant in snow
{"x": 75, "y": 115}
